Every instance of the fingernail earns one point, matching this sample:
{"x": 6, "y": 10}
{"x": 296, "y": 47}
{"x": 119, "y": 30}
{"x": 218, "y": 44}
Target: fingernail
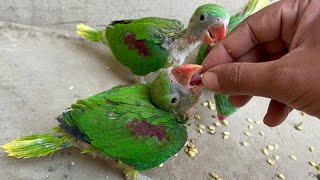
{"x": 210, "y": 81}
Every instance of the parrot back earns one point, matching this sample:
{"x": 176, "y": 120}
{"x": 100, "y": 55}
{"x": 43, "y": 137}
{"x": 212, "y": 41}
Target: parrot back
{"x": 141, "y": 45}
{"x": 123, "y": 124}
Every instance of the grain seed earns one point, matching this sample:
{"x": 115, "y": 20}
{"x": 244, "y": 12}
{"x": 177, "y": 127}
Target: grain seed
{"x": 205, "y": 104}
{"x": 225, "y": 122}
{"x": 265, "y": 152}
{"x": 293, "y": 157}
{"x": 249, "y": 120}
{"x": 226, "y": 133}
{"x": 217, "y": 124}
{"x": 201, "y": 126}
{"x": 312, "y": 164}
{"x": 70, "y": 88}
{"x": 311, "y": 149}
{"x": 258, "y": 122}
{"x": 270, "y": 161}
{"x": 250, "y": 127}
{"x": 197, "y": 116}
{"x": 281, "y": 176}
{"x": 191, "y": 153}
{"x": 214, "y": 175}
{"x": 245, "y": 143}
{"x": 270, "y": 147}
{"x": 247, "y": 133}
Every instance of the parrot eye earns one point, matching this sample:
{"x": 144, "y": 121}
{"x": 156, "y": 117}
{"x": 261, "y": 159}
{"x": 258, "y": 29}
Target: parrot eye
{"x": 201, "y": 17}
{"x": 173, "y": 100}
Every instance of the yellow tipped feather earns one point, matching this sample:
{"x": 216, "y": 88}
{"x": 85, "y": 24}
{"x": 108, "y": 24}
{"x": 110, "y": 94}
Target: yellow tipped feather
{"x": 90, "y": 33}
{"x": 85, "y": 28}
{"x": 36, "y": 145}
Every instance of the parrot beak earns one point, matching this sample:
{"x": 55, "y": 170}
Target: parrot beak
{"x": 187, "y": 74}
{"x": 214, "y": 34}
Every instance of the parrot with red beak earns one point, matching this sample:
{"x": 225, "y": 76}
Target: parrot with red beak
{"x": 139, "y": 126}
{"x": 148, "y": 44}
{"x": 224, "y": 107}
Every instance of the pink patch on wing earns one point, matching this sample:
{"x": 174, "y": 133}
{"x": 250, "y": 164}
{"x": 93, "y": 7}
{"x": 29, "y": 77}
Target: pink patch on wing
{"x": 140, "y": 45}
{"x": 144, "y": 128}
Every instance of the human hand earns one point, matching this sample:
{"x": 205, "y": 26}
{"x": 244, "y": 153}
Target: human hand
{"x": 274, "y": 53}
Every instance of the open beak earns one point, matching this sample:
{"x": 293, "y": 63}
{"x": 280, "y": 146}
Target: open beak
{"x": 214, "y": 34}
{"x": 187, "y": 74}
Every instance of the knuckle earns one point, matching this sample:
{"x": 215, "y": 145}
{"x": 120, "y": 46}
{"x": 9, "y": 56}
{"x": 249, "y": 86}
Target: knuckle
{"x": 235, "y": 73}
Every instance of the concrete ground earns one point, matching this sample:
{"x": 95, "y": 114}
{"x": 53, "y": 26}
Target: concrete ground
{"x": 39, "y": 65}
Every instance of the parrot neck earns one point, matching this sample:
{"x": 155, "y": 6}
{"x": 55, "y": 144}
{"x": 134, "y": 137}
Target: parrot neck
{"x": 181, "y": 48}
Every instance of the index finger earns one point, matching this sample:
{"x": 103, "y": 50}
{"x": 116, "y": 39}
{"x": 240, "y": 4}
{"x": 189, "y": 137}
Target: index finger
{"x": 264, "y": 26}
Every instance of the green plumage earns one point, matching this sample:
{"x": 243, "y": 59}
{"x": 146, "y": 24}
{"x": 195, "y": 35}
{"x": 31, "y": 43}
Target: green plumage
{"x": 37, "y": 145}
{"x": 153, "y": 34}
{"x": 224, "y": 107}
{"x": 141, "y": 45}
{"x": 146, "y": 45}
{"x": 109, "y": 121}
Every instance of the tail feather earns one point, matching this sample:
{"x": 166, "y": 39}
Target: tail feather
{"x": 254, "y": 6}
{"x": 91, "y": 33}
{"x": 37, "y": 145}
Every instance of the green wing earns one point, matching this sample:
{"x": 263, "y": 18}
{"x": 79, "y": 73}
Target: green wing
{"x": 141, "y": 44}
{"x": 125, "y": 125}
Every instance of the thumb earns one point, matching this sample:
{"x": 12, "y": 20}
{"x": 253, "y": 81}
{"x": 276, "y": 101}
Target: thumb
{"x": 257, "y": 79}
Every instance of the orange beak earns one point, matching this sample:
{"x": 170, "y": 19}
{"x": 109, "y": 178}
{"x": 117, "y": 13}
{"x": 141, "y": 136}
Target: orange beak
{"x": 214, "y": 34}
{"x": 187, "y": 74}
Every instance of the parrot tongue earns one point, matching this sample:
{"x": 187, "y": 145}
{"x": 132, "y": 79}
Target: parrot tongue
{"x": 187, "y": 74}
{"x": 214, "y": 34}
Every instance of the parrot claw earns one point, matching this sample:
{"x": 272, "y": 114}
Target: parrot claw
{"x": 138, "y": 80}
{"x": 132, "y": 174}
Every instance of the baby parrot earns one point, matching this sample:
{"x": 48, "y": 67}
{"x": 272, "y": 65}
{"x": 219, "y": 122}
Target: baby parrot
{"x": 224, "y": 107}
{"x": 148, "y": 44}
{"x": 139, "y": 126}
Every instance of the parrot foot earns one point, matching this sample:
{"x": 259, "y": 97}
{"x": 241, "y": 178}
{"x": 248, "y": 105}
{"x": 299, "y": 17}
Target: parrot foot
{"x": 132, "y": 174}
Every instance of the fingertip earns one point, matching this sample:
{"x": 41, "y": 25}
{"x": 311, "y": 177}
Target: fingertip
{"x": 276, "y": 114}
{"x": 210, "y": 81}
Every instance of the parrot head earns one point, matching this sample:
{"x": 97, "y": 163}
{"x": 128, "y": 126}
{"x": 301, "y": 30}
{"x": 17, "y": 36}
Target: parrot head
{"x": 177, "y": 89}
{"x": 209, "y": 24}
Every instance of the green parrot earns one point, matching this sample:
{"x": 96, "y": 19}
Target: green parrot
{"x": 224, "y": 107}
{"x": 139, "y": 126}
{"x": 148, "y": 44}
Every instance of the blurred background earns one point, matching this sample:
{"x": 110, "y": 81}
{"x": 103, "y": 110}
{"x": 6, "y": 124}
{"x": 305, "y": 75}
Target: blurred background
{"x": 66, "y": 14}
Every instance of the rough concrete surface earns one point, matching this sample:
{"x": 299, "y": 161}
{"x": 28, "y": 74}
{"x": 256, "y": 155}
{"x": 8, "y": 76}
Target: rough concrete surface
{"x": 67, "y": 13}
{"x": 38, "y": 65}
